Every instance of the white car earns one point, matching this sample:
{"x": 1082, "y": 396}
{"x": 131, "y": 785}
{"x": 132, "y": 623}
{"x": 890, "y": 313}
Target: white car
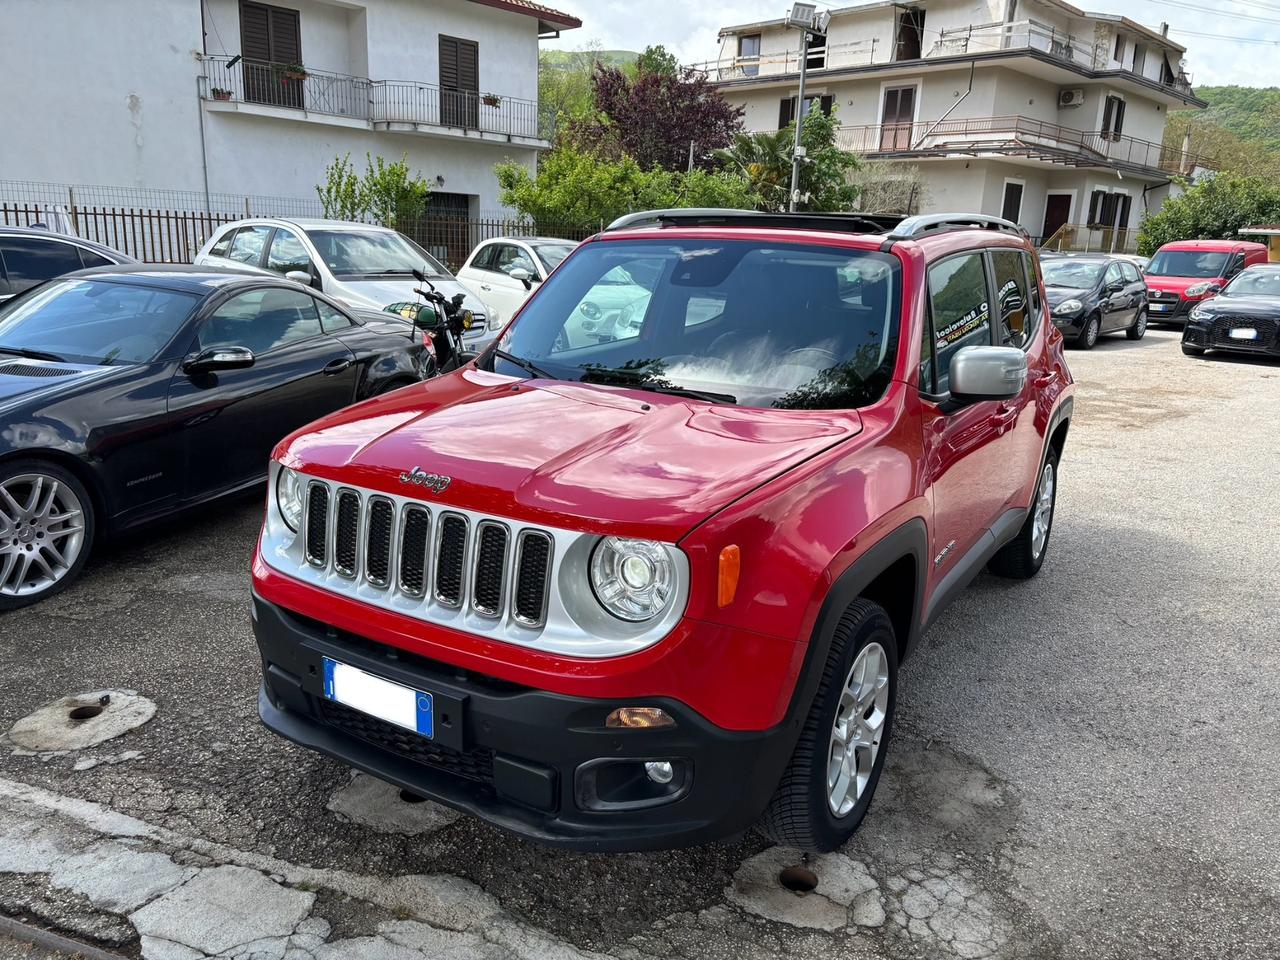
{"x": 364, "y": 266}
{"x": 505, "y": 269}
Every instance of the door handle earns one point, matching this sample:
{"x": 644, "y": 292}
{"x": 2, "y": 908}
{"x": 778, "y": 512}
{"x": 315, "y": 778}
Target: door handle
{"x": 1041, "y": 382}
{"x": 485, "y": 286}
{"x": 336, "y": 366}
{"x": 1005, "y": 414}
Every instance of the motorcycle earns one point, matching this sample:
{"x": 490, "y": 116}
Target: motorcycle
{"x": 442, "y": 320}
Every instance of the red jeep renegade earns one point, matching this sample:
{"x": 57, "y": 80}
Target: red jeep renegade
{"x": 643, "y": 573}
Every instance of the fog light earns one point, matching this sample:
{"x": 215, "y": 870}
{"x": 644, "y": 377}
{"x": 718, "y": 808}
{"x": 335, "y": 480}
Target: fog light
{"x": 639, "y": 718}
{"x": 659, "y": 771}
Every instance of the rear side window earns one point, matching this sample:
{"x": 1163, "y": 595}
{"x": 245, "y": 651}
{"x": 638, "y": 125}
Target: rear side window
{"x": 223, "y": 244}
{"x": 1012, "y": 297}
{"x": 91, "y": 259}
{"x": 961, "y": 310}
{"x": 247, "y": 245}
{"x": 32, "y": 260}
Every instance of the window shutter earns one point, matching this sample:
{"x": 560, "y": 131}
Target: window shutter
{"x": 827, "y": 101}
{"x": 449, "y": 63}
{"x": 1126, "y": 203}
{"x": 1095, "y": 206}
{"x": 786, "y": 111}
{"x": 1119, "y": 119}
{"x": 468, "y": 65}
{"x": 286, "y": 44}
{"x": 255, "y": 31}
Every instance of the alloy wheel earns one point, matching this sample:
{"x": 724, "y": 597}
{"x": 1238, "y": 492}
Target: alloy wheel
{"x": 858, "y": 728}
{"x": 41, "y": 533}
{"x": 1043, "y": 510}
{"x": 1141, "y": 326}
{"x": 1091, "y": 332}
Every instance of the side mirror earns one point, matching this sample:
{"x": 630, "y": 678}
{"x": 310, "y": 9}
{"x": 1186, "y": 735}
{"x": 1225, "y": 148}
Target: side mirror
{"x": 523, "y": 275}
{"x": 303, "y": 277}
{"x": 988, "y": 373}
{"x": 1115, "y": 286}
{"x": 1215, "y": 288}
{"x": 219, "y": 358}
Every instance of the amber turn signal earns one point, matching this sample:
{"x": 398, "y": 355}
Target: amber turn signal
{"x": 639, "y": 718}
{"x": 730, "y": 568}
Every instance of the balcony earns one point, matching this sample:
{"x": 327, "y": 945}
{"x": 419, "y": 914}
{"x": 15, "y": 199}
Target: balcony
{"x": 374, "y": 104}
{"x": 1018, "y": 137}
{"x": 1027, "y": 36}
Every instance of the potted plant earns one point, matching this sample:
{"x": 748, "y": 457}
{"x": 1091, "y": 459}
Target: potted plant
{"x": 221, "y": 94}
{"x": 491, "y": 100}
{"x": 292, "y": 71}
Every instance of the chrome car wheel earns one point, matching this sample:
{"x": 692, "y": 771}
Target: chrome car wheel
{"x": 858, "y": 728}
{"x": 1043, "y": 510}
{"x": 41, "y": 533}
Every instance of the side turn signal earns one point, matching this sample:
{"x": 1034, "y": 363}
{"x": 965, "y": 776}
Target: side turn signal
{"x": 730, "y": 568}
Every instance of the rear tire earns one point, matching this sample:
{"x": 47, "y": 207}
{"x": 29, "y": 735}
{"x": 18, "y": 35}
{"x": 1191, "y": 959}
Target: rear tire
{"x": 1022, "y": 557}
{"x": 1089, "y": 334}
{"x": 46, "y": 531}
{"x": 1192, "y": 351}
{"x": 1139, "y": 328}
{"x": 847, "y": 727}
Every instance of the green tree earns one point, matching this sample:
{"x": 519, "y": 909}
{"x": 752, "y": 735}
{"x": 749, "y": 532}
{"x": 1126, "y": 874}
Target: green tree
{"x": 391, "y": 194}
{"x": 564, "y": 87}
{"x": 658, "y": 60}
{"x": 1214, "y": 208}
{"x": 340, "y": 194}
{"x": 763, "y": 159}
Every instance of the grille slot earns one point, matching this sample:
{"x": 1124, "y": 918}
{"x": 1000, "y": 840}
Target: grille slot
{"x": 488, "y": 583}
{"x": 451, "y": 559}
{"x": 1265, "y": 326}
{"x": 346, "y": 532}
{"x": 377, "y": 545}
{"x": 317, "y": 524}
{"x": 414, "y": 543}
{"x": 533, "y": 561}
{"x": 31, "y": 370}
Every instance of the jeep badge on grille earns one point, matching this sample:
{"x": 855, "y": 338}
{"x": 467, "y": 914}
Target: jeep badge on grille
{"x": 432, "y": 481}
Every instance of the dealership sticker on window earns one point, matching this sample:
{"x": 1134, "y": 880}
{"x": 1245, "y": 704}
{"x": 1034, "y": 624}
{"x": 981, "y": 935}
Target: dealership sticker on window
{"x": 959, "y": 329}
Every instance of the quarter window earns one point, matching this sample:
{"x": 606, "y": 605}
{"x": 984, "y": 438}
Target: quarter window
{"x": 332, "y": 319}
{"x": 1012, "y": 297}
{"x": 91, "y": 259}
{"x": 287, "y": 253}
{"x": 961, "y": 310}
{"x": 262, "y": 320}
{"x": 223, "y": 244}
{"x": 247, "y": 245}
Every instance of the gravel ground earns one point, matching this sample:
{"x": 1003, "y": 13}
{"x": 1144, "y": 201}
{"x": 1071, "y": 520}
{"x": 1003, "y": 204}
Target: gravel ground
{"x": 1084, "y": 765}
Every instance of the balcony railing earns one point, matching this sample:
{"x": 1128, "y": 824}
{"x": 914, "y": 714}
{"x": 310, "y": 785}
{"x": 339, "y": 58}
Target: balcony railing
{"x": 372, "y": 101}
{"x": 1018, "y": 136}
{"x": 1028, "y": 35}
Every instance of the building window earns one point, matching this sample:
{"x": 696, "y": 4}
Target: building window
{"x": 1011, "y": 208}
{"x": 787, "y": 108}
{"x": 1112, "y": 117}
{"x": 817, "y": 58}
{"x": 1108, "y": 211}
{"x": 1118, "y": 56}
{"x": 459, "y": 83}
{"x": 749, "y": 55}
{"x": 270, "y": 38}
{"x": 1139, "y": 57}
{"x": 910, "y": 43}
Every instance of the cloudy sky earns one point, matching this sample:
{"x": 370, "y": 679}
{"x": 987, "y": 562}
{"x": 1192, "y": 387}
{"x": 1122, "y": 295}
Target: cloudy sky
{"x": 689, "y": 27}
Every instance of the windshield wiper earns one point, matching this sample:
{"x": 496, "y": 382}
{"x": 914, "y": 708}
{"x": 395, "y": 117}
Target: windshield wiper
{"x": 33, "y": 354}
{"x": 528, "y": 366}
{"x": 627, "y": 378}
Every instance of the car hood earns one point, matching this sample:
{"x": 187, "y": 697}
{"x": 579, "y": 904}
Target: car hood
{"x": 23, "y": 380}
{"x": 1178, "y": 285}
{"x": 1243, "y": 307}
{"x": 376, "y": 294}
{"x": 1057, "y": 294}
{"x": 586, "y": 457}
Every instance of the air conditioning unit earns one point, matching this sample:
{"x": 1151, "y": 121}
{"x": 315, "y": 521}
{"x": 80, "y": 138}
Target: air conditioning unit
{"x": 1071, "y": 98}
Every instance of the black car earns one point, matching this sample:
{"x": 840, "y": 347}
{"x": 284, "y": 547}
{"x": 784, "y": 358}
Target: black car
{"x": 1095, "y": 294}
{"x": 127, "y": 394}
{"x": 1243, "y": 318}
{"x": 32, "y": 255}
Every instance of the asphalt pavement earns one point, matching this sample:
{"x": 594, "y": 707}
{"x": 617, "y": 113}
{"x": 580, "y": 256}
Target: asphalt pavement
{"x": 1084, "y": 765}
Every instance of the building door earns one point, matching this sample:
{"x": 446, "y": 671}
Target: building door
{"x": 1011, "y": 207}
{"x": 1057, "y": 213}
{"x": 896, "y": 118}
{"x": 459, "y": 83}
{"x": 270, "y": 42}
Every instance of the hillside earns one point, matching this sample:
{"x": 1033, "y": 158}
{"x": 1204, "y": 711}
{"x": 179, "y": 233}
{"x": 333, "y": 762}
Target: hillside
{"x": 1251, "y": 113}
{"x": 570, "y": 59}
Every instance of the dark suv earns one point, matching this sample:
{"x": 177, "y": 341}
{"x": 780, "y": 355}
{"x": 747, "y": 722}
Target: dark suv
{"x": 646, "y": 589}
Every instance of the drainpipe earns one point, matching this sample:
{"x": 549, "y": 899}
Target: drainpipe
{"x": 204, "y": 157}
{"x": 973, "y": 64}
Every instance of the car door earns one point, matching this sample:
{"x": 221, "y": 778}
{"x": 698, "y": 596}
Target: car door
{"x": 286, "y": 253}
{"x": 231, "y": 419}
{"x": 1117, "y": 303}
{"x": 497, "y": 287}
{"x": 1135, "y": 288}
{"x": 961, "y": 468}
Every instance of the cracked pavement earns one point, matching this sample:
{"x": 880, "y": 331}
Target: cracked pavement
{"x": 1084, "y": 765}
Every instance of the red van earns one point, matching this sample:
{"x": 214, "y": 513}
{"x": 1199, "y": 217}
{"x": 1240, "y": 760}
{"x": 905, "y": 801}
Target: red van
{"x": 1183, "y": 273}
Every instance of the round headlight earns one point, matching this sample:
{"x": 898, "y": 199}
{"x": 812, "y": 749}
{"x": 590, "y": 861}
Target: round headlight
{"x": 289, "y": 497}
{"x": 632, "y": 579}
{"x": 1067, "y": 307}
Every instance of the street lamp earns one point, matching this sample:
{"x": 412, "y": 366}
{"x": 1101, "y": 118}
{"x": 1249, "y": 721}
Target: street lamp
{"x": 806, "y": 18}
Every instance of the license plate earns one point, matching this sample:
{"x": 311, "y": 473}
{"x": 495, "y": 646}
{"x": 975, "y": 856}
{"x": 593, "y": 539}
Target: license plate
{"x": 1160, "y": 307}
{"x": 392, "y": 702}
{"x": 1244, "y": 333}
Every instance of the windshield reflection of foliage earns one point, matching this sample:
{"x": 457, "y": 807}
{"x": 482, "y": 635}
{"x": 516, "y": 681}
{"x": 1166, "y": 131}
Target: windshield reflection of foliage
{"x": 648, "y": 371}
{"x": 854, "y": 383}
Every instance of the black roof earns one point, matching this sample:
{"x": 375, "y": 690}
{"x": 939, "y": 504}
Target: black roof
{"x": 179, "y": 276}
{"x": 46, "y": 233}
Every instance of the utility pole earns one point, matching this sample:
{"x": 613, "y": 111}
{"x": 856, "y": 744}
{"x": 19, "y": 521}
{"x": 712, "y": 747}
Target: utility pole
{"x": 806, "y": 18}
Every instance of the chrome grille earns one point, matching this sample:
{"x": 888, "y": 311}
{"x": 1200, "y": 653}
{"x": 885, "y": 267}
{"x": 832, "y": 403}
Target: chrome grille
{"x": 533, "y": 562}
{"x": 451, "y": 558}
{"x": 414, "y": 543}
{"x": 346, "y": 533}
{"x": 377, "y": 544}
{"x": 317, "y": 535}
{"x": 488, "y": 575}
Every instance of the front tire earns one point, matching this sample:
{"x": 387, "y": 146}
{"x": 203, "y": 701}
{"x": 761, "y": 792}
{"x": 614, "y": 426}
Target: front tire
{"x": 1139, "y": 328}
{"x": 1022, "y": 557}
{"x": 827, "y": 788}
{"x": 46, "y": 531}
{"x": 1089, "y": 335}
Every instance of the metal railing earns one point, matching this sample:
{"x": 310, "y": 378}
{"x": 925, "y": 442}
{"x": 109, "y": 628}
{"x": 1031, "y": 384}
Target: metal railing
{"x": 372, "y": 101}
{"x": 1018, "y": 136}
{"x": 953, "y": 42}
{"x": 1081, "y": 238}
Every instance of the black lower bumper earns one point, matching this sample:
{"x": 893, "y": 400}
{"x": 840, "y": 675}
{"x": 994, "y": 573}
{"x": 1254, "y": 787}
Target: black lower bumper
{"x": 540, "y": 764}
{"x": 1217, "y": 335}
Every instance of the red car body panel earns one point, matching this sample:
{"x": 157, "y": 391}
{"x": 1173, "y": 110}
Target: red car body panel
{"x": 803, "y": 494}
{"x": 1254, "y": 253}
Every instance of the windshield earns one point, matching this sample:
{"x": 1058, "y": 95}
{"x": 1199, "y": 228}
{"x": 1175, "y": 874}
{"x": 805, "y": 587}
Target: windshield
{"x": 787, "y": 326}
{"x": 1188, "y": 263}
{"x": 94, "y": 321}
{"x": 365, "y": 253}
{"x": 551, "y": 254}
{"x": 1081, "y": 274}
{"x": 1255, "y": 283}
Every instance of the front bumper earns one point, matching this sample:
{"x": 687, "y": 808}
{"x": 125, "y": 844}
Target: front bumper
{"x": 1070, "y": 326}
{"x": 1168, "y": 309}
{"x": 1216, "y": 335}
{"x": 540, "y": 764}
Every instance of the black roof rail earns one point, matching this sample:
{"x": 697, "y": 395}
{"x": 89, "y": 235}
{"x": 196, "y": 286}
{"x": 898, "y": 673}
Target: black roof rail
{"x": 716, "y": 217}
{"x": 913, "y": 227}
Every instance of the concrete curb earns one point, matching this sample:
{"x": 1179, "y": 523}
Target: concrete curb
{"x": 52, "y": 941}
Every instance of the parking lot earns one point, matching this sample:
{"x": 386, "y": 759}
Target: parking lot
{"x": 1085, "y": 765}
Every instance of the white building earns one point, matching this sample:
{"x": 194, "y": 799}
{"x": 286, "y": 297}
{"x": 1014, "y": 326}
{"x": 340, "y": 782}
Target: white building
{"x": 200, "y": 96}
{"x": 1031, "y": 109}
